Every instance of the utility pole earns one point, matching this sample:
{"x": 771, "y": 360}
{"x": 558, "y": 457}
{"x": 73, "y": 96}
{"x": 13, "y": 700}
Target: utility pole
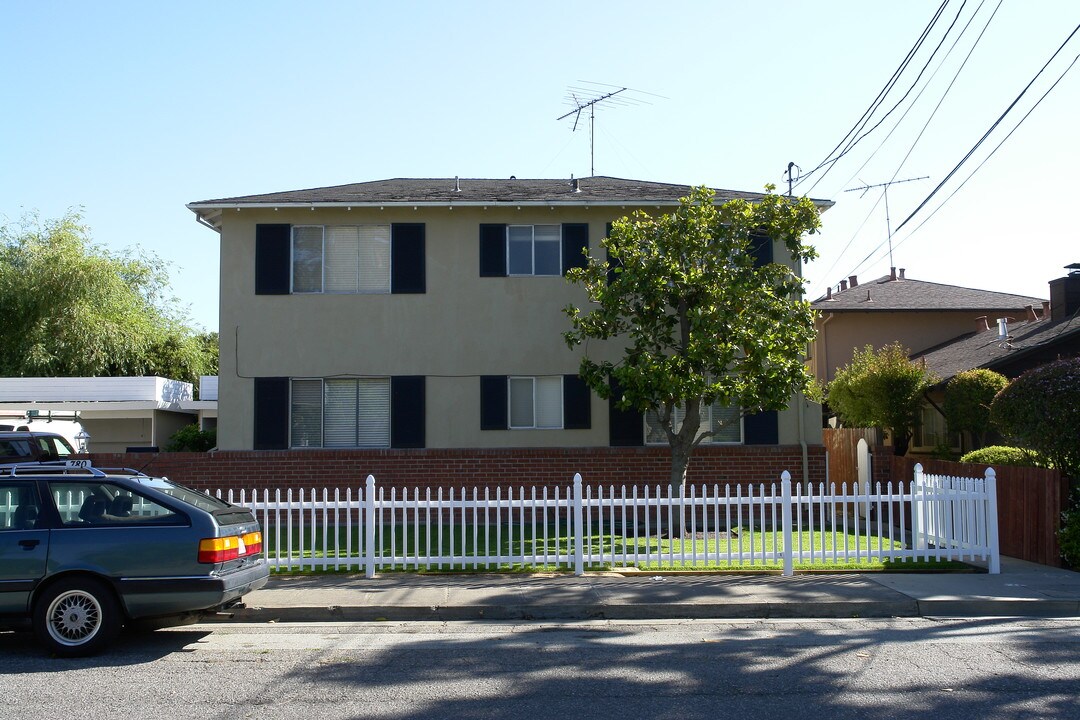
{"x": 885, "y": 185}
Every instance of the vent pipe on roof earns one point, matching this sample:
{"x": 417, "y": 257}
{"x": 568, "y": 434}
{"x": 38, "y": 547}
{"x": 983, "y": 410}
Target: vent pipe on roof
{"x": 982, "y": 324}
{"x": 854, "y": 279}
{"x": 843, "y": 285}
{"x": 892, "y": 273}
{"x": 457, "y": 185}
{"x": 575, "y": 185}
{"x": 828, "y": 293}
{"x": 1030, "y": 311}
{"x": 1003, "y": 329}
{"x": 1046, "y": 310}
{"x": 901, "y": 273}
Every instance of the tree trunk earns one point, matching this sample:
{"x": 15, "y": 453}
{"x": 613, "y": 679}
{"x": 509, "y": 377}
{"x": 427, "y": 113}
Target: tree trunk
{"x": 680, "y": 463}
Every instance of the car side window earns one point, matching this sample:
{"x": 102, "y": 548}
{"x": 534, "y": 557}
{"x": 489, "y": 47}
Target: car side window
{"x": 101, "y": 503}
{"x": 14, "y": 449}
{"x": 18, "y": 507}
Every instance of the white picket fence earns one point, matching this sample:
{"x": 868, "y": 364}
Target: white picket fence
{"x": 950, "y": 518}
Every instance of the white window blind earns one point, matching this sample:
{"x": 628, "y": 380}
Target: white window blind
{"x": 353, "y": 259}
{"x": 306, "y": 413}
{"x": 521, "y": 402}
{"x": 520, "y": 252}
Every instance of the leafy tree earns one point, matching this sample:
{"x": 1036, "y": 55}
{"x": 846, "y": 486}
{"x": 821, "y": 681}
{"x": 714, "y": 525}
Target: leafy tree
{"x": 1041, "y": 409}
{"x": 881, "y": 389}
{"x": 967, "y": 401}
{"x": 72, "y": 308}
{"x": 701, "y": 321}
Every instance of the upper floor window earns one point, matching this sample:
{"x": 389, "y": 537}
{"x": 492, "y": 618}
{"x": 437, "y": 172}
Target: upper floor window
{"x": 534, "y": 250}
{"x": 724, "y": 420}
{"x": 341, "y": 259}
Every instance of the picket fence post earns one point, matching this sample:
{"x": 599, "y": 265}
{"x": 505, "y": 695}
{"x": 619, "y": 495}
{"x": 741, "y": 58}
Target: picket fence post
{"x": 785, "y": 521}
{"x": 992, "y": 521}
{"x": 918, "y": 510}
{"x": 579, "y": 529}
{"x": 369, "y": 528}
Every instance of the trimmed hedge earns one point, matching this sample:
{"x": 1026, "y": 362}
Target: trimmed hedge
{"x": 1005, "y": 455}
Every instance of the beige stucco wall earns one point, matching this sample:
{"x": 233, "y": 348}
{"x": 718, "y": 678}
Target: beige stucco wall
{"x": 464, "y": 326}
{"x": 840, "y": 334}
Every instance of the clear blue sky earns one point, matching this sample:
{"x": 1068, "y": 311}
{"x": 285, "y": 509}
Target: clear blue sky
{"x": 132, "y": 109}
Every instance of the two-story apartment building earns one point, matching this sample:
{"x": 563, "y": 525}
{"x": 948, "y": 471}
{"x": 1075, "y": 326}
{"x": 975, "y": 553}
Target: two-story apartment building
{"x": 427, "y": 313}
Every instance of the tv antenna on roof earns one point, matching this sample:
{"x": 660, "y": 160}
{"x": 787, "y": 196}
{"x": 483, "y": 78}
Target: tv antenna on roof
{"x": 582, "y": 98}
{"x": 888, "y": 223}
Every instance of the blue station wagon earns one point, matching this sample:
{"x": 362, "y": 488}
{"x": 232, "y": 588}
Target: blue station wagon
{"x": 84, "y": 551}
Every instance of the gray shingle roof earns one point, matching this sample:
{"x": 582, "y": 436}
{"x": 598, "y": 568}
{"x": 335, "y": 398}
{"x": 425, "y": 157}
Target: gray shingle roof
{"x": 886, "y": 294}
{"x": 595, "y": 190}
{"x": 985, "y": 349}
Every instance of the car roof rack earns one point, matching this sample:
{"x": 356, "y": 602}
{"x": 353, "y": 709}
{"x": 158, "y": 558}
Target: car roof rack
{"x": 49, "y": 467}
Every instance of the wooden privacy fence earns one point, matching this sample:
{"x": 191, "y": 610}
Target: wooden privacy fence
{"x": 1030, "y": 503}
{"x": 777, "y": 525}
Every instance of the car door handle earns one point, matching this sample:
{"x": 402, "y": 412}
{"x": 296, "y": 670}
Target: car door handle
{"x": 29, "y": 544}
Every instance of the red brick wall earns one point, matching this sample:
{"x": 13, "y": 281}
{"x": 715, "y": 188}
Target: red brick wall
{"x": 283, "y": 469}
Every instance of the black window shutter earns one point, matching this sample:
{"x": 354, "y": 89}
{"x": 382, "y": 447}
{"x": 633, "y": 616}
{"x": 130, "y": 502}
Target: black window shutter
{"x": 761, "y": 429}
{"x": 272, "y": 259}
{"x": 407, "y": 411}
{"x": 407, "y": 273}
{"x": 492, "y": 250}
{"x": 271, "y": 413}
{"x": 575, "y": 241}
{"x": 577, "y": 403}
{"x": 493, "y": 402}
{"x": 625, "y": 427}
{"x": 761, "y": 247}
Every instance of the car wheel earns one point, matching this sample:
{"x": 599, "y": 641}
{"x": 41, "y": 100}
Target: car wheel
{"x": 77, "y": 617}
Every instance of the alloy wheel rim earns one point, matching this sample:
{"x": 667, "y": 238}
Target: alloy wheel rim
{"x": 74, "y": 617}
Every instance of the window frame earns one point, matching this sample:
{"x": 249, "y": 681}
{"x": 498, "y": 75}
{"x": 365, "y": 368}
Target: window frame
{"x": 535, "y": 397}
{"x": 356, "y": 410}
{"x": 386, "y": 284}
{"x": 558, "y": 242}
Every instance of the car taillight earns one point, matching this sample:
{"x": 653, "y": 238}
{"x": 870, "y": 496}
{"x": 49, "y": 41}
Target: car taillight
{"x": 218, "y": 550}
{"x": 253, "y": 543}
{"x": 223, "y": 549}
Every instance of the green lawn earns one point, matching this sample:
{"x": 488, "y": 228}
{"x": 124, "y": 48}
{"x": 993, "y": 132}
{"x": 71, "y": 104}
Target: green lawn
{"x": 468, "y": 546}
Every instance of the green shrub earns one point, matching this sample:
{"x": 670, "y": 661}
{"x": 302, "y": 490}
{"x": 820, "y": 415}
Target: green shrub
{"x": 967, "y": 401}
{"x": 1041, "y": 410}
{"x": 191, "y": 439}
{"x": 1004, "y": 455}
{"x": 1069, "y": 537}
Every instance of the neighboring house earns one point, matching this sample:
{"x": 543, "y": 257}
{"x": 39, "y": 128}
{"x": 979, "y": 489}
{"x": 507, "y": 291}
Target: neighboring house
{"x": 1010, "y": 348}
{"x": 117, "y": 412}
{"x": 893, "y": 308}
{"x": 427, "y": 313}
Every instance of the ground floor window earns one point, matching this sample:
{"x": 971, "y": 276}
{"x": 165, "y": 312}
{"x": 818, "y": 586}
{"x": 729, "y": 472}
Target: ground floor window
{"x": 340, "y": 412}
{"x": 724, "y": 420}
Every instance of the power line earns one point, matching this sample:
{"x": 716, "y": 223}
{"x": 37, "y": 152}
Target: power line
{"x": 890, "y": 83}
{"x": 990, "y": 130}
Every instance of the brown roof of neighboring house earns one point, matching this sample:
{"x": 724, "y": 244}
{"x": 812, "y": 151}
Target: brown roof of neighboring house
{"x": 987, "y": 350}
{"x": 887, "y": 294}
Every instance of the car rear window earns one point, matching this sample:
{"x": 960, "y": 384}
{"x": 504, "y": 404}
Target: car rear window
{"x": 183, "y": 494}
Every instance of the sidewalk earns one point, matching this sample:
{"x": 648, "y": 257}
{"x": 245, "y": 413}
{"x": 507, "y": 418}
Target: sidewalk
{"x": 1022, "y": 589}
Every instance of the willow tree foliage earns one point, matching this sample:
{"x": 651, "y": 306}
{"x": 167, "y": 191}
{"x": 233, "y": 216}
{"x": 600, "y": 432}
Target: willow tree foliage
{"x": 73, "y": 308}
{"x": 699, "y": 320}
{"x": 883, "y": 388}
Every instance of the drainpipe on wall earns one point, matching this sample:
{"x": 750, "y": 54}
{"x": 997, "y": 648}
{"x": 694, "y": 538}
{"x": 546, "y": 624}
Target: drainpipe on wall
{"x": 802, "y": 442}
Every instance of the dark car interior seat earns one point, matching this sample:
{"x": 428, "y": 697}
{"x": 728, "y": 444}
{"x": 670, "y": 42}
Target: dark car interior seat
{"x": 92, "y": 509}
